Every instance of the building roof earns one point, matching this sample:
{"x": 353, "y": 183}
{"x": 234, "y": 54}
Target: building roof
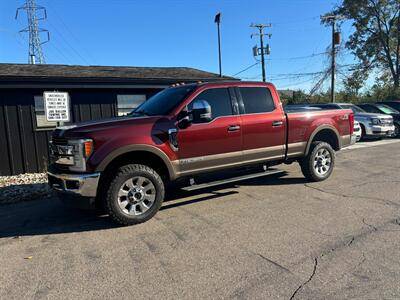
{"x": 22, "y": 72}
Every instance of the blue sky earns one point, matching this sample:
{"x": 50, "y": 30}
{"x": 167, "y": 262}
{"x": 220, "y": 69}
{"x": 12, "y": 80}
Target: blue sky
{"x": 179, "y": 33}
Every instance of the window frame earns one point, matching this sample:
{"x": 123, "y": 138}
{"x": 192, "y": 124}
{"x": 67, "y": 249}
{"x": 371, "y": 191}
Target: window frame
{"x": 242, "y": 107}
{"x": 232, "y": 100}
{"x": 50, "y": 126}
{"x": 131, "y": 108}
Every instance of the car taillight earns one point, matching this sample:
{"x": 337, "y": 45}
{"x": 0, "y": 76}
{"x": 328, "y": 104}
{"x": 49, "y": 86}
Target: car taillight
{"x": 351, "y": 121}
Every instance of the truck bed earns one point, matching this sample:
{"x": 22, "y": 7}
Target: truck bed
{"x": 303, "y": 122}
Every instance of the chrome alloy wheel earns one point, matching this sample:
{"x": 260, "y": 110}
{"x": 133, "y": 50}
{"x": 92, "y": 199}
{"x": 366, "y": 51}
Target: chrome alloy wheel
{"x": 136, "y": 195}
{"x": 322, "y": 161}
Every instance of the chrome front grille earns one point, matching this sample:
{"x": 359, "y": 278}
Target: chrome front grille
{"x": 59, "y": 141}
{"x": 387, "y": 121}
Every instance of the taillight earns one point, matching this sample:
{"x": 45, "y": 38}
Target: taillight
{"x": 351, "y": 121}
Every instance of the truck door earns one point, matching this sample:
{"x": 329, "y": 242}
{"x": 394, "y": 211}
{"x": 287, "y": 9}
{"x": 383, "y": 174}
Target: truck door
{"x": 207, "y": 145}
{"x": 263, "y": 125}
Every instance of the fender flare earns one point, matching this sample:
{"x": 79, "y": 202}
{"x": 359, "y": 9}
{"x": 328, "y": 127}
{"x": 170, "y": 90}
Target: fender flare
{"x": 138, "y": 147}
{"x": 319, "y": 129}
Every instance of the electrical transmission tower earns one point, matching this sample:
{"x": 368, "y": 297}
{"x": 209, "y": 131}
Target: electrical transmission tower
{"x": 35, "y": 13}
{"x": 262, "y": 50}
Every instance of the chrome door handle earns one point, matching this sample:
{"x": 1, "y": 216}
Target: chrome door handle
{"x": 233, "y": 128}
{"x": 277, "y": 123}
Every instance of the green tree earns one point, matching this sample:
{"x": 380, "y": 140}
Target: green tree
{"x": 376, "y": 39}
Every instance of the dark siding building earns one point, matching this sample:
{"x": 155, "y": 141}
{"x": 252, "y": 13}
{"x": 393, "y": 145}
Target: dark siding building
{"x": 95, "y": 92}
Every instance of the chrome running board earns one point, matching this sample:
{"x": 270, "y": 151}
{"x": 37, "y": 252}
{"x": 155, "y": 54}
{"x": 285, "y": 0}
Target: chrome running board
{"x": 230, "y": 180}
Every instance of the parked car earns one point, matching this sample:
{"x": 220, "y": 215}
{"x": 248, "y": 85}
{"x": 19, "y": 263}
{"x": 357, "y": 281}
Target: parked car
{"x": 384, "y": 109}
{"x": 393, "y": 104}
{"x": 187, "y": 130}
{"x": 372, "y": 125}
{"x": 357, "y": 130}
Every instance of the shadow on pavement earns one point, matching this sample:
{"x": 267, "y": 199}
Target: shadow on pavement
{"x": 50, "y": 216}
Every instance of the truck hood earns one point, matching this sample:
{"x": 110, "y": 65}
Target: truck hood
{"x": 83, "y": 129}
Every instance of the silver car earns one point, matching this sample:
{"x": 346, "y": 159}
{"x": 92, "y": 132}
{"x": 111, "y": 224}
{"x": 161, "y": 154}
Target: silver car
{"x": 372, "y": 125}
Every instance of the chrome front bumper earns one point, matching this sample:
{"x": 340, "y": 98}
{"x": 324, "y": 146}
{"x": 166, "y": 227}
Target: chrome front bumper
{"x": 84, "y": 185}
{"x": 379, "y": 130}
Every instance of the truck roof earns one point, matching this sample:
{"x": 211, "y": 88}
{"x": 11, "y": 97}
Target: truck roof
{"x": 226, "y": 83}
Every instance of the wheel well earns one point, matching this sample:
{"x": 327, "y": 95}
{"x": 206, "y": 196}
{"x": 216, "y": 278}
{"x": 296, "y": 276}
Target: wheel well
{"x": 141, "y": 157}
{"x": 327, "y": 136}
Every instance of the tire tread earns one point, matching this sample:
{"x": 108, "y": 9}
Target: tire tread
{"x": 123, "y": 171}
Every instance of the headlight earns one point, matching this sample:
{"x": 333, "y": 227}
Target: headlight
{"x": 82, "y": 149}
{"x": 375, "y": 121}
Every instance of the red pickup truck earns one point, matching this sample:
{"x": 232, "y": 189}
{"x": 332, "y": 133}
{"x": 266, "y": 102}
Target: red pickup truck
{"x": 125, "y": 163}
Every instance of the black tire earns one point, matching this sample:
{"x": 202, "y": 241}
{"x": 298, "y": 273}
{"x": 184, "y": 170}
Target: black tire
{"x": 121, "y": 176}
{"x": 307, "y": 163}
{"x": 396, "y": 130}
{"x": 363, "y": 133}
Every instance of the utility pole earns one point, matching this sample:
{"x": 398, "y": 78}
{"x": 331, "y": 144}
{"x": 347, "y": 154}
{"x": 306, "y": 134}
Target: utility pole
{"x": 218, "y": 21}
{"x": 335, "y": 41}
{"x": 35, "y": 13}
{"x": 262, "y": 50}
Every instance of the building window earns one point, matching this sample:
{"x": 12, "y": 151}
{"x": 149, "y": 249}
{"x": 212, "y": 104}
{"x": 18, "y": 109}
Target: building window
{"x": 40, "y": 114}
{"x": 127, "y": 103}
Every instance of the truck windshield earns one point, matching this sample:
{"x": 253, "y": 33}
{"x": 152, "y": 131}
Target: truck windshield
{"x": 164, "y": 102}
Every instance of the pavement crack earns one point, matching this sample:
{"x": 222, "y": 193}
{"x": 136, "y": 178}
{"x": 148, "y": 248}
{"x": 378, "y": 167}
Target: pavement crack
{"x": 375, "y": 182}
{"x": 385, "y": 201}
{"x": 350, "y": 242}
{"x": 274, "y": 263}
{"x": 307, "y": 281}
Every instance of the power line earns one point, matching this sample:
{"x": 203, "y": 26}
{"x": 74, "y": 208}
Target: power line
{"x": 297, "y": 21}
{"x": 300, "y": 57}
{"x": 245, "y": 69}
{"x": 76, "y": 52}
{"x": 299, "y": 74}
{"x": 35, "y": 44}
{"x": 70, "y": 32}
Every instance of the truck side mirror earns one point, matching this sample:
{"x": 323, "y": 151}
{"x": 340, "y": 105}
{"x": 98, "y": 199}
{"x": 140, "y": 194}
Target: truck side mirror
{"x": 201, "y": 111}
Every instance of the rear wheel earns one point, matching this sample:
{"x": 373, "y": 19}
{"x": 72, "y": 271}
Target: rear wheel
{"x": 319, "y": 163}
{"x": 135, "y": 194}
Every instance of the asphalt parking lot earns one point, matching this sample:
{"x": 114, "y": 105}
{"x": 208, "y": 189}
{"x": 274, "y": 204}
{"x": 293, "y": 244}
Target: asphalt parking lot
{"x": 267, "y": 238}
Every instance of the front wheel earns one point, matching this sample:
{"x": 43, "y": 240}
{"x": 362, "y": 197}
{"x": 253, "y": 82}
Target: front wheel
{"x": 135, "y": 194}
{"x": 319, "y": 163}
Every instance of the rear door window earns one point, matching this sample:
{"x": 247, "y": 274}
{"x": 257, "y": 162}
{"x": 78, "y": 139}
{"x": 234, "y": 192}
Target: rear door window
{"x": 257, "y": 100}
